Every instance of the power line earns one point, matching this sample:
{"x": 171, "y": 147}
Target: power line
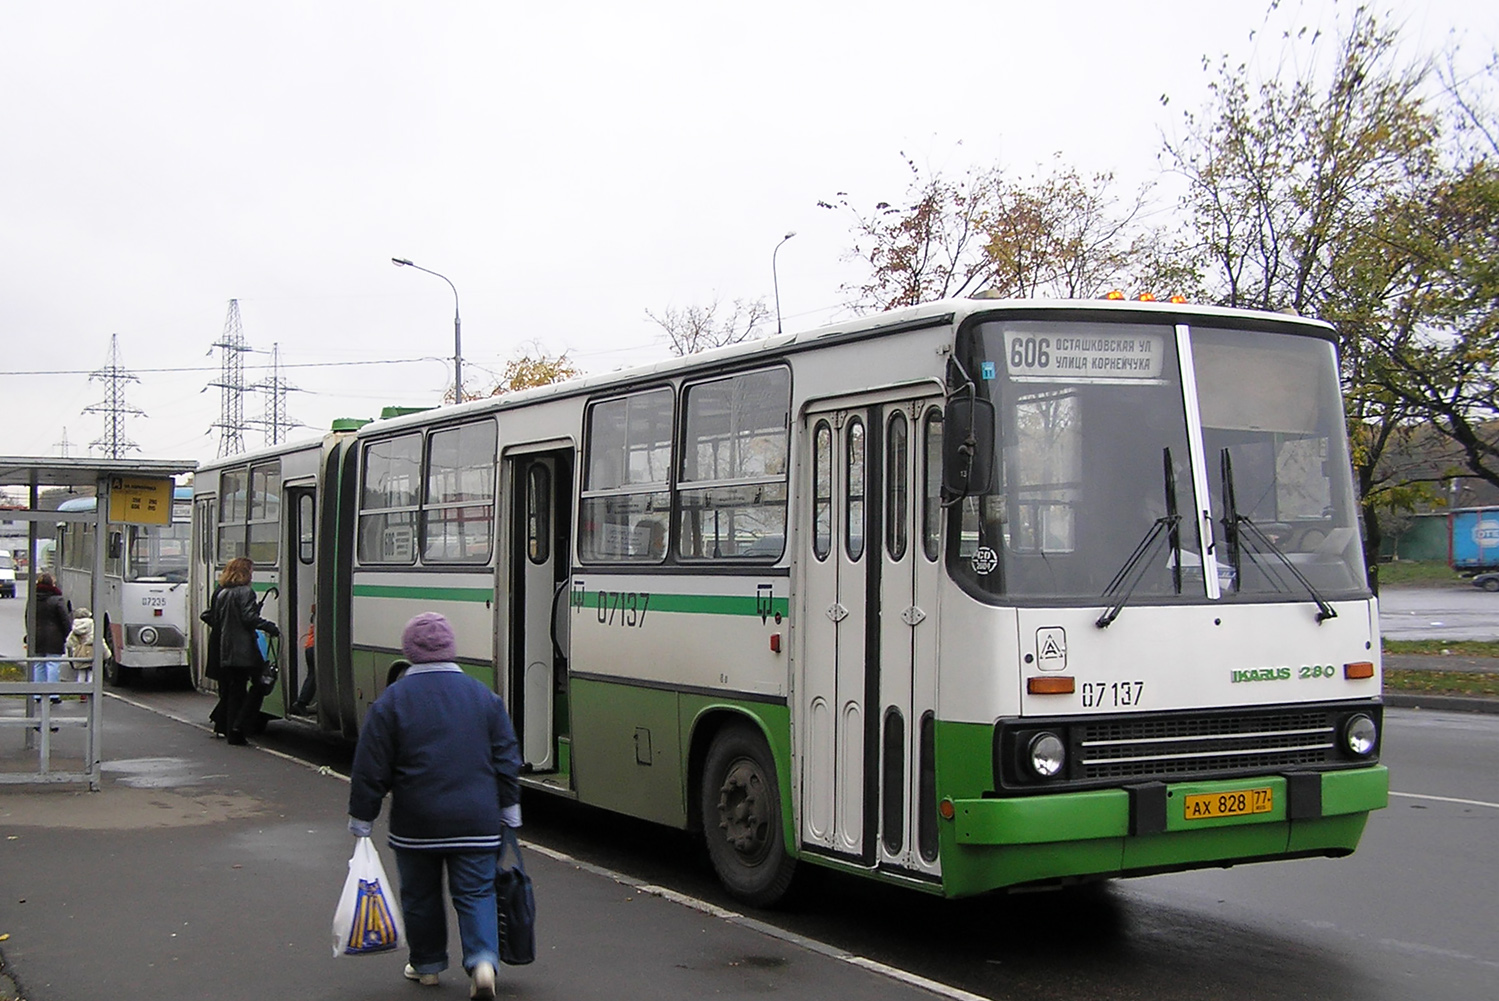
{"x": 211, "y": 368}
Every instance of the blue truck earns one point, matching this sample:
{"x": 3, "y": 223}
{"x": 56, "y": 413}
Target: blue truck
{"x": 1473, "y": 539}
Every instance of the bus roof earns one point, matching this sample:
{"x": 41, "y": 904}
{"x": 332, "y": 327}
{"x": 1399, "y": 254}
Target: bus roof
{"x": 941, "y": 311}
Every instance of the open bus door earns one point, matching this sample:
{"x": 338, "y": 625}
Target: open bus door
{"x": 540, "y": 522}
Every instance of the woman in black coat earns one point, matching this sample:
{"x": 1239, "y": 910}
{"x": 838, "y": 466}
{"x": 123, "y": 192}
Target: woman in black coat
{"x": 234, "y": 658}
{"x": 54, "y": 619}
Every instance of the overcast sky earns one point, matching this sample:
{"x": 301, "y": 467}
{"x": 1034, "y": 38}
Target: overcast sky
{"x": 567, "y": 165}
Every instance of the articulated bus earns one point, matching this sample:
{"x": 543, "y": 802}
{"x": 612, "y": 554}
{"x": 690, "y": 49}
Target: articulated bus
{"x": 145, "y": 587}
{"x": 978, "y": 594}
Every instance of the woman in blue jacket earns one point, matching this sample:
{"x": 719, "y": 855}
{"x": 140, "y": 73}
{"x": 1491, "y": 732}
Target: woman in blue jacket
{"x": 443, "y": 746}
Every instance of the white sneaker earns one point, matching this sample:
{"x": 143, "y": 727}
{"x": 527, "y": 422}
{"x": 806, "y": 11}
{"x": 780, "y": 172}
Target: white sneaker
{"x": 483, "y": 987}
{"x": 425, "y": 979}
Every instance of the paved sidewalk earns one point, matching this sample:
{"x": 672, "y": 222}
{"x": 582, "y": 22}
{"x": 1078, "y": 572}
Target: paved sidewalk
{"x": 207, "y": 871}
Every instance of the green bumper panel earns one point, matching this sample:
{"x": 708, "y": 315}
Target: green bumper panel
{"x": 993, "y": 843}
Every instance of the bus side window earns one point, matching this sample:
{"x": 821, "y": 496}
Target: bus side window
{"x": 931, "y": 520}
{"x": 822, "y": 490}
{"x": 853, "y": 532}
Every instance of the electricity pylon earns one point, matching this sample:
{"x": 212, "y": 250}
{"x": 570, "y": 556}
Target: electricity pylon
{"x": 231, "y": 423}
{"x": 114, "y": 408}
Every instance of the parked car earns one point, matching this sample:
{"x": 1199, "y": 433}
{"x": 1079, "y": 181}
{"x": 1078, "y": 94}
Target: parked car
{"x": 7, "y": 576}
{"x": 1487, "y": 581}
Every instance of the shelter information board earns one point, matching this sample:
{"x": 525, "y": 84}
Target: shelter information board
{"x": 140, "y": 500}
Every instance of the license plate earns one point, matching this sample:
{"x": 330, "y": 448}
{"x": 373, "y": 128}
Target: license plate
{"x": 1238, "y": 803}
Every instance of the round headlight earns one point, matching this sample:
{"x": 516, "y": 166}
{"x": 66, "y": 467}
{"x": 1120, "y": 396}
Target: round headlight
{"x": 1046, "y": 755}
{"x": 1360, "y": 735}
{"x": 148, "y": 636}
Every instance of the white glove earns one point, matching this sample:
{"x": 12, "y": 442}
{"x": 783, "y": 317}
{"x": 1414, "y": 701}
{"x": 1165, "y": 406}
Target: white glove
{"x": 360, "y": 828}
{"x": 510, "y": 815}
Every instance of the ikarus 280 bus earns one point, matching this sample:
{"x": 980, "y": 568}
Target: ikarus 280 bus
{"x": 973, "y": 595}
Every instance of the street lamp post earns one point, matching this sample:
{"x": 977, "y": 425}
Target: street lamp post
{"x": 402, "y": 262}
{"x": 775, "y": 279}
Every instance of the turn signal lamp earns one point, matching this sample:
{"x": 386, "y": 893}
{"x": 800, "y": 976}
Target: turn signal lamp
{"x": 1115, "y": 294}
{"x": 1056, "y": 684}
{"x": 1358, "y": 669}
{"x": 946, "y": 810}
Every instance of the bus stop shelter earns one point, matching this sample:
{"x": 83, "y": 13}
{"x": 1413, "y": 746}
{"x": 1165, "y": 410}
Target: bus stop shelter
{"x": 137, "y": 491}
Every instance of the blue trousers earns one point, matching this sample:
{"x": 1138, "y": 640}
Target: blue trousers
{"x": 471, "y": 885}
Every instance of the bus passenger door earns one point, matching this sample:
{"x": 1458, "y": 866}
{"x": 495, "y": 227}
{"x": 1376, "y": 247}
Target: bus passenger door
{"x": 540, "y": 493}
{"x": 300, "y": 576}
{"x": 907, "y": 556}
{"x": 833, "y": 700}
{"x": 205, "y": 544}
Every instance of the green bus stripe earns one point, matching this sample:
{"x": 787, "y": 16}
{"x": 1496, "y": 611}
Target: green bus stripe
{"x": 424, "y": 592}
{"x": 686, "y": 604}
{"x": 698, "y": 604}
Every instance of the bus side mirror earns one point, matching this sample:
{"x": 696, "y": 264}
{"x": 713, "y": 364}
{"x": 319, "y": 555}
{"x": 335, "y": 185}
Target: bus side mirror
{"x": 116, "y": 545}
{"x": 968, "y": 447}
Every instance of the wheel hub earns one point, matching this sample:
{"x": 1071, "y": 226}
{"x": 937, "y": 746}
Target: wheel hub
{"x": 741, "y": 810}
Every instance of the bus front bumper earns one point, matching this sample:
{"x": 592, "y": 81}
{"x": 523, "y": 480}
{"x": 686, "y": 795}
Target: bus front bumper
{"x": 1147, "y": 828}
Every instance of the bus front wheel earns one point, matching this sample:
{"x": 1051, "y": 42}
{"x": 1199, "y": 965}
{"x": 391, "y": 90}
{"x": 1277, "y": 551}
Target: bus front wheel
{"x": 741, "y": 814}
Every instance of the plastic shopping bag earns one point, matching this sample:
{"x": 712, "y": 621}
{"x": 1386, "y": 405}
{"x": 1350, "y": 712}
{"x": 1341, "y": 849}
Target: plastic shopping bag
{"x": 368, "y": 917}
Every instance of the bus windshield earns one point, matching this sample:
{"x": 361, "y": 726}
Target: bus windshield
{"x": 1093, "y": 462}
{"x": 159, "y": 552}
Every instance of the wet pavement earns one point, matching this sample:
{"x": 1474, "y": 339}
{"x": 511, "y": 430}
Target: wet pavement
{"x": 203, "y": 870}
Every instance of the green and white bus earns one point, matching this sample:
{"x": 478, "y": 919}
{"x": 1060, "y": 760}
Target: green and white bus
{"x": 144, "y": 614}
{"x": 972, "y": 595}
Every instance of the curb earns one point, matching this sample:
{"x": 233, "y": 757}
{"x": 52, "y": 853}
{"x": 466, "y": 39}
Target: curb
{"x": 1446, "y": 703}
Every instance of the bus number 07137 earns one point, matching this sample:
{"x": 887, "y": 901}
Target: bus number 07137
{"x": 1112, "y": 694}
{"x": 625, "y": 608}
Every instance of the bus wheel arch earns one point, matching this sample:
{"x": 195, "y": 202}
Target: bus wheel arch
{"x": 740, "y": 809}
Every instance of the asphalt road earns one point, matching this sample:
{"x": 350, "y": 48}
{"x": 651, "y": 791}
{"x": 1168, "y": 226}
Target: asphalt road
{"x": 1450, "y": 613}
{"x": 1414, "y": 913}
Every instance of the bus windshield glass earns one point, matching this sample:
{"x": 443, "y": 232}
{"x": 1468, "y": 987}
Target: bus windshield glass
{"x": 1276, "y": 452}
{"x": 160, "y": 552}
{"x": 1093, "y": 476}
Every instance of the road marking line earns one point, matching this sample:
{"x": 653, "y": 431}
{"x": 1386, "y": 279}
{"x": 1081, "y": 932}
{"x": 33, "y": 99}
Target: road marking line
{"x": 1447, "y": 799}
{"x": 702, "y": 906}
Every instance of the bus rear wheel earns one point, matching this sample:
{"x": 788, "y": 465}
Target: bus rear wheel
{"x": 114, "y": 674}
{"x": 741, "y": 815}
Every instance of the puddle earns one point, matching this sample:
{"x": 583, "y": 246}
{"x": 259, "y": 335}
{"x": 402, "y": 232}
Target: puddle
{"x": 152, "y": 773}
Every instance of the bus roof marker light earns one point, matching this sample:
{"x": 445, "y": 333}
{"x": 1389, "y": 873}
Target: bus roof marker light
{"x": 1179, "y": 299}
{"x": 1115, "y": 294}
{"x": 1146, "y": 297}
{"x": 1358, "y": 670}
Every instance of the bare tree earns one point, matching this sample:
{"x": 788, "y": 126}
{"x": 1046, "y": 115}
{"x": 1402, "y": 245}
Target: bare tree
{"x": 701, "y": 328}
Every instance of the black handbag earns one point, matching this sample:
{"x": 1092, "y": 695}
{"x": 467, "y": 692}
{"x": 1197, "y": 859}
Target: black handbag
{"x": 516, "y": 904}
{"x": 264, "y": 677}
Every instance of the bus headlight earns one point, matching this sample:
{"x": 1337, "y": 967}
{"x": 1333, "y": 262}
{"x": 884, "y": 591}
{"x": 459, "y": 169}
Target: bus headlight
{"x": 148, "y": 636}
{"x": 1046, "y": 755}
{"x": 1360, "y": 735}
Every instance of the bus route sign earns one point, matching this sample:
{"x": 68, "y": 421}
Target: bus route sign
{"x": 140, "y": 500}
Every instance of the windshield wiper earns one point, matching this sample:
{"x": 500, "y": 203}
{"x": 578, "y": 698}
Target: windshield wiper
{"x": 1167, "y": 528}
{"x": 1237, "y": 527}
